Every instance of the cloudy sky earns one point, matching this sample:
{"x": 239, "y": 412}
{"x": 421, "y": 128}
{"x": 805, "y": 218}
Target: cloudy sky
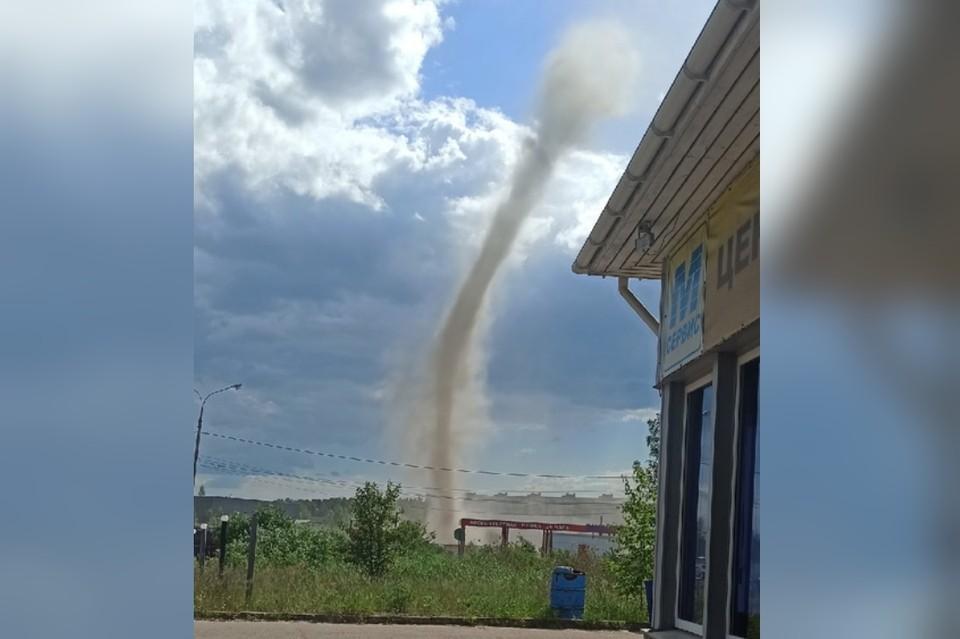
{"x": 348, "y": 156}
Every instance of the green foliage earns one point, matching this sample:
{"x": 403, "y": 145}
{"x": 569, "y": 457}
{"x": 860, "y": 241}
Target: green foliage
{"x": 486, "y": 582}
{"x": 305, "y": 568}
{"x": 281, "y": 542}
{"x": 331, "y": 511}
{"x": 397, "y": 597}
{"x": 412, "y": 536}
{"x": 653, "y": 443}
{"x": 632, "y": 560}
{"x": 298, "y": 545}
{"x": 372, "y": 533}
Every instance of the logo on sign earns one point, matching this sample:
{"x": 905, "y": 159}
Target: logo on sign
{"x": 685, "y": 300}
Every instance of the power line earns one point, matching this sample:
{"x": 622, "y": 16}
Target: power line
{"x": 466, "y": 509}
{"x": 240, "y": 468}
{"x": 234, "y": 465}
{"x": 471, "y": 492}
{"x": 382, "y": 462}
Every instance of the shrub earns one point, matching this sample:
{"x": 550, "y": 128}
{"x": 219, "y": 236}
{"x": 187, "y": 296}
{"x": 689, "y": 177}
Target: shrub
{"x": 282, "y": 542}
{"x": 372, "y": 531}
{"x": 412, "y": 536}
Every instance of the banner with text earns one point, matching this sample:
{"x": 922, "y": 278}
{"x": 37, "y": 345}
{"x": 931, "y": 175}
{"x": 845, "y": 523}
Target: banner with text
{"x": 681, "y": 329}
{"x": 733, "y": 261}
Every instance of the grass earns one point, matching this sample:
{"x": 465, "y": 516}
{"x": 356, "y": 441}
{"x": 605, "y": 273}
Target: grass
{"x": 486, "y": 582}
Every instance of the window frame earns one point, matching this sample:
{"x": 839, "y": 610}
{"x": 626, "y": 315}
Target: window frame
{"x": 692, "y": 387}
{"x": 742, "y": 360}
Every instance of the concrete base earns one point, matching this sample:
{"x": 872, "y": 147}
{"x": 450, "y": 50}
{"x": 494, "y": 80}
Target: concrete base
{"x": 493, "y": 622}
{"x": 668, "y": 634}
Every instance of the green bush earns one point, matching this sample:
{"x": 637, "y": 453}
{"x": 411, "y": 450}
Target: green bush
{"x": 376, "y": 535}
{"x": 371, "y": 533}
{"x": 281, "y": 542}
{"x": 412, "y": 536}
{"x": 632, "y": 560}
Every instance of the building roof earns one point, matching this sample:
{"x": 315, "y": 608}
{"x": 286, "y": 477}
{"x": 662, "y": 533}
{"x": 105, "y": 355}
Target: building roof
{"x": 705, "y": 132}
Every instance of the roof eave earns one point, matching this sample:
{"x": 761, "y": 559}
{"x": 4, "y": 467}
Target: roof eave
{"x": 711, "y": 43}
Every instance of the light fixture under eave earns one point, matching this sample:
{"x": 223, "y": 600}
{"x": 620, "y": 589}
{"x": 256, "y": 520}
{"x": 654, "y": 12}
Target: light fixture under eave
{"x": 644, "y": 238}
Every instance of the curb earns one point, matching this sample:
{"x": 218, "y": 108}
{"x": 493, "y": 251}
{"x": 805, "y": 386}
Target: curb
{"x": 551, "y": 624}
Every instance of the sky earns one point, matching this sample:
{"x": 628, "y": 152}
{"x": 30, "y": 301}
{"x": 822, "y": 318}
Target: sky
{"x": 347, "y": 159}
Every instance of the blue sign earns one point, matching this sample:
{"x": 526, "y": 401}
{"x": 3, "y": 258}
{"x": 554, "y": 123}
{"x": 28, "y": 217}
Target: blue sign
{"x": 681, "y": 335}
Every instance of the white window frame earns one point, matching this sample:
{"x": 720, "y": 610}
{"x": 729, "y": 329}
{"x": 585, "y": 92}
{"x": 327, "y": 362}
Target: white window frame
{"x": 682, "y": 624}
{"x": 744, "y": 358}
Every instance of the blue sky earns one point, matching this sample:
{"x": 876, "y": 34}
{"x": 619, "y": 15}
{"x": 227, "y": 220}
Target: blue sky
{"x": 346, "y": 164}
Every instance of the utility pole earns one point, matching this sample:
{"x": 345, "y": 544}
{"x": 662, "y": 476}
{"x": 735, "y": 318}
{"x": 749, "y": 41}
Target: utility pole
{"x": 203, "y": 402}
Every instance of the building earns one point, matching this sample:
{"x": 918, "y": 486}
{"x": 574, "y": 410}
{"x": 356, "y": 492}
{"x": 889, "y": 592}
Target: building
{"x": 686, "y": 213}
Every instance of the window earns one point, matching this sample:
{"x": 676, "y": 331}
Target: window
{"x": 745, "y": 585}
{"x": 695, "y": 506}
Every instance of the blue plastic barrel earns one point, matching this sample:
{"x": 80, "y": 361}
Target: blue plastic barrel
{"x": 568, "y": 592}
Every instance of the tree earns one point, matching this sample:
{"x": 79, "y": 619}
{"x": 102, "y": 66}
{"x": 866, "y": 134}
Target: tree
{"x": 653, "y": 443}
{"x": 202, "y": 492}
{"x": 632, "y": 561}
{"x": 372, "y": 531}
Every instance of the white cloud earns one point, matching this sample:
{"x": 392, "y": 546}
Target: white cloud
{"x": 356, "y": 57}
{"x": 579, "y": 193}
{"x": 279, "y": 92}
{"x": 639, "y": 414}
{"x": 254, "y": 402}
{"x": 324, "y": 102}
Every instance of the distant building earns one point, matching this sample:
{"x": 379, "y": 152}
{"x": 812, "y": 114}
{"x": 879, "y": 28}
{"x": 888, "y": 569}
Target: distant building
{"x": 686, "y": 213}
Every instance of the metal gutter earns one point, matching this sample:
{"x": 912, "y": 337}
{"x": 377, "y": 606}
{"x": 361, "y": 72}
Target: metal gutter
{"x": 623, "y": 285}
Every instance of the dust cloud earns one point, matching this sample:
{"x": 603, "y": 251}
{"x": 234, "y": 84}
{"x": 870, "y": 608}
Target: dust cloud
{"x": 586, "y": 77}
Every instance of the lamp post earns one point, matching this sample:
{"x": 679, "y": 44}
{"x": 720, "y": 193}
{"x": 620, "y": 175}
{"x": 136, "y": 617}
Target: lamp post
{"x": 224, "y": 519}
{"x": 203, "y": 546}
{"x": 203, "y": 402}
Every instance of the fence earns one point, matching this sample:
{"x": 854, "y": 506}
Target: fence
{"x": 206, "y": 546}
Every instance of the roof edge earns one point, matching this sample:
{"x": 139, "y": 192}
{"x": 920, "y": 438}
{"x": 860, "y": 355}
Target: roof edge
{"x": 697, "y": 68}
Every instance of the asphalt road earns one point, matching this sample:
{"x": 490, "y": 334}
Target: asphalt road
{"x": 306, "y": 630}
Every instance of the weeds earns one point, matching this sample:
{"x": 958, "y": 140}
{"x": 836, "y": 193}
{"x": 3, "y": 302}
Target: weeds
{"x": 302, "y": 569}
{"x": 486, "y": 582}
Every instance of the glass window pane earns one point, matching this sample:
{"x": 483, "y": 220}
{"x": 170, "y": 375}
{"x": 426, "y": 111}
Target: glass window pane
{"x": 695, "y": 523}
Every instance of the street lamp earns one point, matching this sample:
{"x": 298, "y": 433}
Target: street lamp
{"x": 203, "y": 401}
